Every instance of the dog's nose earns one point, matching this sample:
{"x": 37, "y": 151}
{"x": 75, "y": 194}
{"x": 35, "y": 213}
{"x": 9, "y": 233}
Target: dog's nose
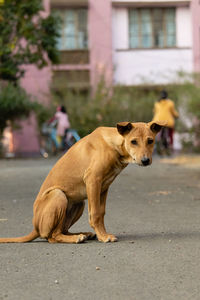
{"x": 145, "y": 161}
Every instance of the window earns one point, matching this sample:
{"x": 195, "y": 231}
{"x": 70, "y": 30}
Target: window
{"x": 74, "y": 29}
{"x": 152, "y": 28}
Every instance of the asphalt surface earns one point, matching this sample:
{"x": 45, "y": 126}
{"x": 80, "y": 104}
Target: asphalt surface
{"x": 155, "y": 213}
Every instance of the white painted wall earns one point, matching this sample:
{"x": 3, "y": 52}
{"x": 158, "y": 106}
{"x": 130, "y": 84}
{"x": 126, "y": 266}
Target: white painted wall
{"x": 155, "y": 66}
{"x": 184, "y": 27}
{"x": 150, "y": 1}
{"x": 120, "y": 29}
{"x": 150, "y": 66}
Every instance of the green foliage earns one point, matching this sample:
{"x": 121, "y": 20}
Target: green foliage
{"x": 106, "y": 109}
{"x": 26, "y": 37}
{"x": 42, "y": 113}
{"x": 133, "y": 104}
{"x": 14, "y": 104}
{"x": 190, "y": 93}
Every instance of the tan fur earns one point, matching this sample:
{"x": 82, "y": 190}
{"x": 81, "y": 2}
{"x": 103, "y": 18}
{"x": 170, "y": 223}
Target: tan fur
{"x": 86, "y": 171}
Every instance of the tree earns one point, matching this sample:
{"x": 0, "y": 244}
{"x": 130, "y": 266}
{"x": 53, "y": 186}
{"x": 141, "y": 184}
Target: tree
{"x": 14, "y": 104}
{"x": 26, "y": 37}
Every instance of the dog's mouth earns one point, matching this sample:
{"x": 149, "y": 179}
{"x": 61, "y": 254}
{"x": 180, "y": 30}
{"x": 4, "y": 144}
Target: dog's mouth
{"x": 145, "y": 163}
{"x": 141, "y": 165}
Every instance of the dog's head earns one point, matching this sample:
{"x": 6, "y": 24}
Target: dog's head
{"x": 139, "y": 139}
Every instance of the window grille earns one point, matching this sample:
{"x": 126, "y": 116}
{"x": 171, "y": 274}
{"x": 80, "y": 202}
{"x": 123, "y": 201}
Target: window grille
{"x": 152, "y": 28}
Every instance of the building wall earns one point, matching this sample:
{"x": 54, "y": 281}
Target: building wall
{"x": 195, "y": 7}
{"x": 100, "y": 41}
{"x": 149, "y": 1}
{"x": 184, "y": 27}
{"x": 156, "y": 66}
{"x": 109, "y": 54}
{"x": 150, "y": 66}
{"x": 36, "y": 83}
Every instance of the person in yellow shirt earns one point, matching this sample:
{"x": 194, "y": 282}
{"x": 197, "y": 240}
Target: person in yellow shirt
{"x": 164, "y": 110}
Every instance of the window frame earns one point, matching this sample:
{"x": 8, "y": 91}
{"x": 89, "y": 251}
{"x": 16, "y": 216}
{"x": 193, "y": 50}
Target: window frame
{"x": 62, "y": 13}
{"x": 163, "y": 9}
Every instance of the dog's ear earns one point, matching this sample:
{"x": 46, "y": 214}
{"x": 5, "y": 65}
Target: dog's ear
{"x": 124, "y": 127}
{"x": 157, "y": 126}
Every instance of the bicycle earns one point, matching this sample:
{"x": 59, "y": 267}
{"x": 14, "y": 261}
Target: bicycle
{"x": 163, "y": 145}
{"x": 70, "y": 138}
{"x": 50, "y": 144}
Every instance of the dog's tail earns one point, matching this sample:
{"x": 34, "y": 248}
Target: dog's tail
{"x": 23, "y": 239}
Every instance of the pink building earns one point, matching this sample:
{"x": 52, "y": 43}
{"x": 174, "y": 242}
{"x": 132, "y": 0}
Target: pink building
{"x": 129, "y": 42}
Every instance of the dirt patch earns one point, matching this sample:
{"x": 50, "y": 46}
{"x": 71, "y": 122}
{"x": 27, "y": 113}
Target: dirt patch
{"x": 189, "y": 161}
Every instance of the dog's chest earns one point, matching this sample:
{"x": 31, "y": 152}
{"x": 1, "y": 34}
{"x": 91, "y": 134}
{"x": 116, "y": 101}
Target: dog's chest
{"x": 109, "y": 177}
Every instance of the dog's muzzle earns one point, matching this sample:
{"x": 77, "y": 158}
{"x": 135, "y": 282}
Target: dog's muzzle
{"x": 145, "y": 161}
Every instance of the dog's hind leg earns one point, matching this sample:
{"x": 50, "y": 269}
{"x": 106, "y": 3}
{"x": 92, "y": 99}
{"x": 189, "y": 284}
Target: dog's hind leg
{"x": 73, "y": 215}
{"x": 50, "y": 218}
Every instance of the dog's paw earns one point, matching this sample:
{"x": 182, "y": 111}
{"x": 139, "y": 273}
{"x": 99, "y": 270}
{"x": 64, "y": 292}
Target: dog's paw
{"x": 106, "y": 238}
{"x": 81, "y": 238}
{"x": 90, "y": 235}
{"x": 52, "y": 240}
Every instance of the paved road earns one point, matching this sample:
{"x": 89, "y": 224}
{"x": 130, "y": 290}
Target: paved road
{"x": 155, "y": 212}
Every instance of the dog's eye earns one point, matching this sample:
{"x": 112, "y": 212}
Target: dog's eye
{"x": 150, "y": 141}
{"x": 134, "y": 142}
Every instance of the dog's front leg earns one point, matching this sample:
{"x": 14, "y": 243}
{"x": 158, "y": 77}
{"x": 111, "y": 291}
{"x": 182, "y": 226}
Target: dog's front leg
{"x": 96, "y": 209}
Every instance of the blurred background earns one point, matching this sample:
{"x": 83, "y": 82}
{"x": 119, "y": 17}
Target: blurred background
{"x": 104, "y": 61}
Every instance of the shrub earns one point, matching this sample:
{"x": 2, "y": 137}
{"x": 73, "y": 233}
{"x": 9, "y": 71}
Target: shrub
{"x": 14, "y": 104}
{"x": 124, "y": 104}
{"x": 133, "y": 104}
{"x": 42, "y": 113}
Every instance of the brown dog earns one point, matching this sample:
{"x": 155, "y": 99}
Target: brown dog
{"x": 86, "y": 171}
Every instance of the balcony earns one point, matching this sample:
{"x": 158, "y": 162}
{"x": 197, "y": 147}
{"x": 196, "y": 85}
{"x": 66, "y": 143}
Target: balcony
{"x": 74, "y": 57}
{"x": 73, "y": 79}
{"x": 68, "y": 3}
{"x": 143, "y": 3}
